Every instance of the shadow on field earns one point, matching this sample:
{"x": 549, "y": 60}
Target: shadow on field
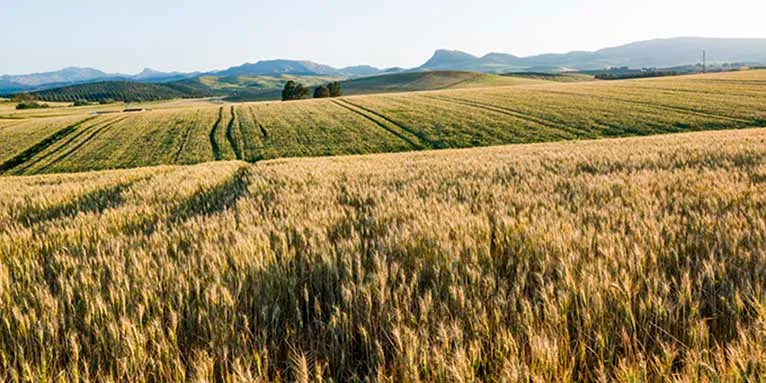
{"x": 215, "y": 199}
{"x": 93, "y": 202}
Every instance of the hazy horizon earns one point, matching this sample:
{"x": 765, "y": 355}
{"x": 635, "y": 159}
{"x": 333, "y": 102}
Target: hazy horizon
{"x": 195, "y": 36}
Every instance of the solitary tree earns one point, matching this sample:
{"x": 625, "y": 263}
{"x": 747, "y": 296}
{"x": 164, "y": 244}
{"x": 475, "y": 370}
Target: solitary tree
{"x": 335, "y": 89}
{"x": 289, "y": 91}
{"x": 321, "y": 92}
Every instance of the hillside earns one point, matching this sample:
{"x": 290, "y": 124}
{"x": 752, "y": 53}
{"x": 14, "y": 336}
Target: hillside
{"x": 127, "y": 91}
{"x": 388, "y": 83}
{"x": 660, "y": 53}
{"x": 419, "y": 81}
{"x": 70, "y": 139}
{"x": 531, "y": 263}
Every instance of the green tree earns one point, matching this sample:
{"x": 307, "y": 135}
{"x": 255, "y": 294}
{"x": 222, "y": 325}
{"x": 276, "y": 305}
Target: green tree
{"x": 335, "y": 89}
{"x": 293, "y": 91}
{"x": 300, "y": 92}
{"x": 321, "y": 92}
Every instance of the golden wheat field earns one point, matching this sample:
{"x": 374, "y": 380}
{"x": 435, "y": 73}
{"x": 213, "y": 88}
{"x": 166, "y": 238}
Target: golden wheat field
{"x": 627, "y": 260}
{"x": 66, "y": 139}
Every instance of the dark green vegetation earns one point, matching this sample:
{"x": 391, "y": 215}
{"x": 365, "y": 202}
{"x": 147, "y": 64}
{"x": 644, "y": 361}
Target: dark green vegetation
{"x": 30, "y": 105}
{"x": 294, "y": 91}
{"x": 126, "y": 91}
{"x": 333, "y": 89}
{"x": 558, "y": 77}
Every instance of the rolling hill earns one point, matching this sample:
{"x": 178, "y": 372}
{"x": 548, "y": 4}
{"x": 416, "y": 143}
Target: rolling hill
{"x": 660, "y": 53}
{"x": 531, "y": 263}
{"x": 387, "y": 83}
{"x": 419, "y": 81}
{"x": 127, "y": 91}
{"x": 71, "y": 139}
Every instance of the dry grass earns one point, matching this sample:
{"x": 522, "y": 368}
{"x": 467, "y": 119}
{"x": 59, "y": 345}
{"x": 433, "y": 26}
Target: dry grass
{"x": 617, "y": 260}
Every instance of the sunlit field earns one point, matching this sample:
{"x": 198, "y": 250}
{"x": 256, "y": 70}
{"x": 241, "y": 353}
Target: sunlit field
{"x": 638, "y": 259}
{"x": 67, "y": 139}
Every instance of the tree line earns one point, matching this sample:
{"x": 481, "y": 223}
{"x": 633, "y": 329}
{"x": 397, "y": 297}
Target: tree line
{"x": 296, "y": 91}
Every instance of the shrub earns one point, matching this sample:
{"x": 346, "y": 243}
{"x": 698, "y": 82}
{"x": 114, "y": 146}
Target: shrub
{"x": 30, "y": 105}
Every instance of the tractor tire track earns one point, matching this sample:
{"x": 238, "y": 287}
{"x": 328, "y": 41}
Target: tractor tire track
{"x": 185, "y": 139}
{"x": 230, "y": 135}
{"x": 419, "y": 134}
{"x": 346, "y": 106}
{"x": 514, "y": 113}
{"x": 213, "y": 143}
{"x": 264, "y": 133}
{"x": 64, "y": 145}
{"x": 41, "y": 146}
{"x": 82, "y": 143}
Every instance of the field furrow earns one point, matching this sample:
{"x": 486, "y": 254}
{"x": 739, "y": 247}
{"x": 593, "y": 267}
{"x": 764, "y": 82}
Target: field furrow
{"x": 69, "y": 150}
{"x": 29, "y": 153}
{"x": 233, "y": 135}
{"x": 578, "y": 133}
{"x": 213, "y": 140}
{"x": 186, "y": 134}
{"x": 382, "y": 122}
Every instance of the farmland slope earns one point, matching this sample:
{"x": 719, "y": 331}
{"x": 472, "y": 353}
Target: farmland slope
{"x": 452, "y": 118}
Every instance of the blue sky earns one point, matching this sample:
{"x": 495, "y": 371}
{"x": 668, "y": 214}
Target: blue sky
{"x": 126, "y": 36}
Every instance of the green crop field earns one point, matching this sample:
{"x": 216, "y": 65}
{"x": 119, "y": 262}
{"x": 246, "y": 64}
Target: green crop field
{"x": 626, "y": 260}
{"x": 72, "y": 139}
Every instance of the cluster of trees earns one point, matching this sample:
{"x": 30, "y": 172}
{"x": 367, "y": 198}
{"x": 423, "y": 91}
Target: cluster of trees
{"x": 634, "y": 74}
{"x": 332, "y": 89}
{"x": 296, "y": 91}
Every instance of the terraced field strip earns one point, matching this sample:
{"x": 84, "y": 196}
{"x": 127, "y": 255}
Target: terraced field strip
{"x": 39, "y": 147}
{"x": 394, "y": 129}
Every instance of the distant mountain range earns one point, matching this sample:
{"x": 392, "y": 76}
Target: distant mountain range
{"x": 74, "y": 76}
{"x": 661, "y": 53}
